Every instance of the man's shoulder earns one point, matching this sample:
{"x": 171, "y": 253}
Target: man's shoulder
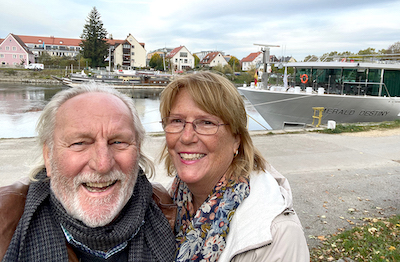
{"x": 12, "y": 203}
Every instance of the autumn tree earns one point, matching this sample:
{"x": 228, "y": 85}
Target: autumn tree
{"x": 196, "y": 60}
{"x": 234, "y": 63}
{"x": 156, "y": 62}
{"x": 93, "y": 38}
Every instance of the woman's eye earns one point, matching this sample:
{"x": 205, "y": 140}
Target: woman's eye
{"x": 176, "y": 120}
{"x": 207, "y": 122}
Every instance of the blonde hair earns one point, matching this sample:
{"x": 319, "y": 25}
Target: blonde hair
{"x": 47, "y": 122}
{"x": 217, "y": 96}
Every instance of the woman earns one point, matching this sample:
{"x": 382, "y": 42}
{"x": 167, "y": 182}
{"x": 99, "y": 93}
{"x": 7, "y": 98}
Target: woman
{"x": 232, "y": 206}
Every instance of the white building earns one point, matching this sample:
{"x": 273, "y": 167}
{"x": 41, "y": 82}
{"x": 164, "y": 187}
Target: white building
{"x": 128, "y": 53}
{"x": 181, "y": 59}
{"x": 213, "y": 59}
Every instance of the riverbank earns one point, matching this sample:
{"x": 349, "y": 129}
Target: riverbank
{"x": 337, "y": 180}
{"x": 30, "y": 76}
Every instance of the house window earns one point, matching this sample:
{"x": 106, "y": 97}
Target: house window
{"x": 21, "y": 56}
{"x": 176, "y": 60}
{"x": 2, "y": 55}
{"x": 14, "y": 56}
{"x": 133, "y": 53}
{"x": 14, "y": 48}
{"x": 7, "y": 48}
{"x": 183, "y": 54}
{"x": 127, "y": 46}
{"x": 185, "y": 61}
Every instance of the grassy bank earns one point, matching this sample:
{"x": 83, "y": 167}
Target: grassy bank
{"x": 342, "y": 128}
{"x": 18, "y": 73}
{"x": 377, "y": 240}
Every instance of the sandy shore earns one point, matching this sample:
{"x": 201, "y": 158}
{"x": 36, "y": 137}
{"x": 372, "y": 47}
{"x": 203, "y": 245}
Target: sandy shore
{"x": 336, "y": 180}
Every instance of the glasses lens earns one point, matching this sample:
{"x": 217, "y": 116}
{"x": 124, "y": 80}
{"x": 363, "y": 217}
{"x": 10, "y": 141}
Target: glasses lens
{"x": 173, "y": 124}
{"x": 206, "y": 126}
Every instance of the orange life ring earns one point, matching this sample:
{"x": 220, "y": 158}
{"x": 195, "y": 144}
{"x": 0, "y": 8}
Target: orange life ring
{"x": 304, "y": 78}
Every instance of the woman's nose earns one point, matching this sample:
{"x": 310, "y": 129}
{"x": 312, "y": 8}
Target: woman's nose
{"x": 188, "y": 134}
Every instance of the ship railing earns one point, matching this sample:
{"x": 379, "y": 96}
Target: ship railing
{"x": 366, "y": 84}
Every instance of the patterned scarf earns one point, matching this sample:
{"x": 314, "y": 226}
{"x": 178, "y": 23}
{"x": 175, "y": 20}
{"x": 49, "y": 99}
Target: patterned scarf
{"x": 39, "y": 236}
{"x": 201, "y": 234}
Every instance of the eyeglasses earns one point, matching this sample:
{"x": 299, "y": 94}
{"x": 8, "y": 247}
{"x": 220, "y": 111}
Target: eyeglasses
{"x": 201, "y": 126}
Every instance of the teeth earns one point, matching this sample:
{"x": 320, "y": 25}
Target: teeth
{"x": 97, "y": 187}
{"x": 191, "y": 156}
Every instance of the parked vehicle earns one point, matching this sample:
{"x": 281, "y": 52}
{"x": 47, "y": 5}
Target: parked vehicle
{"x": 35, "y": 66}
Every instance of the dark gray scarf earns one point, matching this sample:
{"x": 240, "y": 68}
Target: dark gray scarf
{"x": 39, "y": 237}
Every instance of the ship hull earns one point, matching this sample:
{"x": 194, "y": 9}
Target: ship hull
{"x": 284, "y": 108}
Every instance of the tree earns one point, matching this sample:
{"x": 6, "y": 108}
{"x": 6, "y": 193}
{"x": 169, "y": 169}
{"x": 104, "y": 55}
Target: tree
{"x": 234, "y": 63}
{"x": 196, "y": 60}
{"x": 44, "y": 58}
{"x": 368, "y": 51}
{"x": 393, "y": 49}
{"x": 93, "y": 38}
{"x": 311, "y": 58}
{"x": 156, "y": 62}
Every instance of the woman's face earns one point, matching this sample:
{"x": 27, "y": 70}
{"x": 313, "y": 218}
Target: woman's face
{"x": 200, "y": 160}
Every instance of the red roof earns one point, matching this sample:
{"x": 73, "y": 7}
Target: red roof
{"x": 50, "y": 40}
{"x": 209, "y": 57}
{"x": 173, "y": 52}
{"x": 251, "y": 57}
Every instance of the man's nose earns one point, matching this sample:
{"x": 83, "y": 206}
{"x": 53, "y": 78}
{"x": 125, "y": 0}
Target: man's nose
{"x": 102, "y": 158}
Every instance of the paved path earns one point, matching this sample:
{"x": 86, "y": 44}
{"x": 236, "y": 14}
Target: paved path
{"x": 336, "y": 179}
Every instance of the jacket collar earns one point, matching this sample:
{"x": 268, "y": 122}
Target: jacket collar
{"x": 270, "y": 195}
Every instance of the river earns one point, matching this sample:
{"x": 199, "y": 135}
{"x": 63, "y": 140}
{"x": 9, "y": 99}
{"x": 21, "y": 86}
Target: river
{"x": 21, "y": 105}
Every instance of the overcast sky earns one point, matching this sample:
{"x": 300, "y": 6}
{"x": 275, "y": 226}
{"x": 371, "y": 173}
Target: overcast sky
{"x": 299, "y": 27}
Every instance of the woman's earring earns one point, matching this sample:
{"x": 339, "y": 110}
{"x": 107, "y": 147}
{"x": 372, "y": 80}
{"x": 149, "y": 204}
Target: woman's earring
{"x": 236, "y": 153}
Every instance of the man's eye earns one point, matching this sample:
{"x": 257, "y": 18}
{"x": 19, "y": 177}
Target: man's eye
{"x": 77, "y": 144}
{"x": 119, "y": 144}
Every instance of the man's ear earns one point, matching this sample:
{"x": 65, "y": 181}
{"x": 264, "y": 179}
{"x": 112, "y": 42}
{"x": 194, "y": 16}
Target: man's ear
{"x": 46, "y": 157}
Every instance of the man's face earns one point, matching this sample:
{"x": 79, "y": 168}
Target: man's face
{"x": 93, "y": 163}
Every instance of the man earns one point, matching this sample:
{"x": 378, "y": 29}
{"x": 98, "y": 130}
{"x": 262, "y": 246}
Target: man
{"x": 90, "y": 199}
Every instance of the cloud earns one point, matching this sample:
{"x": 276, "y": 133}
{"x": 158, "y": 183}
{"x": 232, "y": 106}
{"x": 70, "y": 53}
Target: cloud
{"x": 299, "y": 27}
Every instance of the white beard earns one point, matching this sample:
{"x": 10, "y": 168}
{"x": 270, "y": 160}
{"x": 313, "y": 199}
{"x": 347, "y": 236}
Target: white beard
{"x": 93, "y": 212}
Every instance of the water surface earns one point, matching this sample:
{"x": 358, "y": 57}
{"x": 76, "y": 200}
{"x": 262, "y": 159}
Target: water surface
{"x": 21, "y": 105}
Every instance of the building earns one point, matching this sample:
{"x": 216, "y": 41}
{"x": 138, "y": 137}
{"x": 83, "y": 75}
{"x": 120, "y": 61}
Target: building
{"x": 181, "y": 59}
{"x": 252, "y": 60}
{"x": 54, "y": 46}
{"x": 128, "y": 53}
{"x": 14, "y": 52}
{"x": 213, "y": 59}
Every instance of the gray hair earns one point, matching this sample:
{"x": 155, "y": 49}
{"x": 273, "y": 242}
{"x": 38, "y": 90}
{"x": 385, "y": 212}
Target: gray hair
{"x": 47, "y": 122}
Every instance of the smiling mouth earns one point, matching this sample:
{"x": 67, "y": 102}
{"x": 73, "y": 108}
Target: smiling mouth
{"x": 186, "y": 156}
{"x": 99, "y": 187}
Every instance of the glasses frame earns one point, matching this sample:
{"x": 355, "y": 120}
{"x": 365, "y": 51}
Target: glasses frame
{"x": 194, "y": 126}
